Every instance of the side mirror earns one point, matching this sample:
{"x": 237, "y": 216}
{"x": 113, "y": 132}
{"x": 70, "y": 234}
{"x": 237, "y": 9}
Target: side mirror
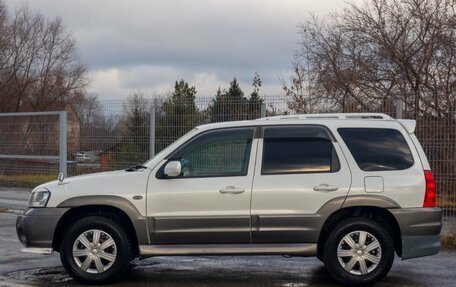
{"x": 173, "y": 168}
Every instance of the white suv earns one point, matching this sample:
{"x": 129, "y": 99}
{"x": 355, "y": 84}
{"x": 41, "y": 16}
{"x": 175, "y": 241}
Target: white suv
{"x": 351, "y": 189}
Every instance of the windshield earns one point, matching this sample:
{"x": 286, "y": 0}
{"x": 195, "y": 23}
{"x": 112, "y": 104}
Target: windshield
{"x": 174, "y": 145}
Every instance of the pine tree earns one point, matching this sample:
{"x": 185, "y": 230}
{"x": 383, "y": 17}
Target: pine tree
{"x": 180, "y": 113}
{"x": 255, "y": 100}
{"x": 134, "y": 147}
{"x": 229, "y": 105}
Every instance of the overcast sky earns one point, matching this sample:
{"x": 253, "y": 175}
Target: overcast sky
{"x": 148, "y": 45}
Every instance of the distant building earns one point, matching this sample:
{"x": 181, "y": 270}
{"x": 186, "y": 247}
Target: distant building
{"x": 108, "y": 158}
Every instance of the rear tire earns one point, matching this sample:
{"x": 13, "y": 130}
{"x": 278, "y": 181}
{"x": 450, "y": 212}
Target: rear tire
{"x": 358, "y": 252}
{"x": 96, "y": 250}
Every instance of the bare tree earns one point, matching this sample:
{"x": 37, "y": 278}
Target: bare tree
{"x": 297, "y": 87}
{"x": 39, "y": 70}
{"x": 39, "y": 64}
{"x": 88, "y": 108}
{"x": 368, "y": 55}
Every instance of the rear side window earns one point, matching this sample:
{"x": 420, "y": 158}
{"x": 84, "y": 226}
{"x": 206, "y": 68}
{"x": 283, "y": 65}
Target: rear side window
{"x": 298, "y": 150}
{"x": 377, "y": 149}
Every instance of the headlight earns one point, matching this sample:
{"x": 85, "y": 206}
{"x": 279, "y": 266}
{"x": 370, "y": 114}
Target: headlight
{"x": 39, "y": 198}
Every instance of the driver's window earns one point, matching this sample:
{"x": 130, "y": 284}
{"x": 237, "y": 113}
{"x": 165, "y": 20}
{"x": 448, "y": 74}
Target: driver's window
{"x": 222, "y": 152}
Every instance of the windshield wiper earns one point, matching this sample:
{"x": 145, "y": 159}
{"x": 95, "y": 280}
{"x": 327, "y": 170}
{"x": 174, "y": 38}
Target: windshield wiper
{"x": 136, "y": 167}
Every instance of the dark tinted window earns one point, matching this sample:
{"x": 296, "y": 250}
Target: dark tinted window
{"x": 216, "y": 153}
{"x": 298, "y": 150}
{"x": 377, "y": 149}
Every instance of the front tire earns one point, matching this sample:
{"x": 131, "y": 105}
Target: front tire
{"x": 358, "y": 252}
{"x": 96, "y": 250}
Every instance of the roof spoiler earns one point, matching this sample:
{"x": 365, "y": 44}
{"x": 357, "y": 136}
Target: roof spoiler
{"x": 409, "y": 125}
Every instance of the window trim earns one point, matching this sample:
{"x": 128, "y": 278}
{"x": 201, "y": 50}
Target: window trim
{"x": 379, "y": 128}
{"x": 169, "y": 157}
{"x": 331, "y": 139}
{"x": 331, "y": 136}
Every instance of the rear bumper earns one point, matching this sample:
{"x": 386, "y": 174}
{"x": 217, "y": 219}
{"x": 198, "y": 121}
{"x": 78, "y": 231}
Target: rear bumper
{"x": 420, "y": 231}
{"x": 36, "y": 226}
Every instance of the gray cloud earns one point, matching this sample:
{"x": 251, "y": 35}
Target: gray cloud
{"x": 150, "y": 44}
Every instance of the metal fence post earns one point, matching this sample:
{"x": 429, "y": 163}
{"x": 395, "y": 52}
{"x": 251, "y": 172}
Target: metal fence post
{"x": 152, "y": 130}
{"x": 63, "y": 143}
{"x": 263, "y": 110}
{"x": 399, "y": 107}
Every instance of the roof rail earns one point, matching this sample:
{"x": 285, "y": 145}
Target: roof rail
{"x": 375, "y": 116}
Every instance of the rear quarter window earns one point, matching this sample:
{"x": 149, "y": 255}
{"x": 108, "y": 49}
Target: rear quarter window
{"x": 377, "y": 149}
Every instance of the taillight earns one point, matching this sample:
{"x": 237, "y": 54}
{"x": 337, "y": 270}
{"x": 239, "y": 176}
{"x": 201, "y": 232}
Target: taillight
{"x": 430, "y": 195}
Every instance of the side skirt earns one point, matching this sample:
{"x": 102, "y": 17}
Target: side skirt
{"x": 295, "y": 249}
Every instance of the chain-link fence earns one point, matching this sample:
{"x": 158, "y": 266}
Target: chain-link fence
{"x": 117, "y": 134}
{"x": 32, "y": 148}
{"x": 437, "y": 135}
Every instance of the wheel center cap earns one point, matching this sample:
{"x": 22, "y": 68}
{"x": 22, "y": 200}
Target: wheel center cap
{"x": 359, "y": 252}
{"x": 94, "y": 251}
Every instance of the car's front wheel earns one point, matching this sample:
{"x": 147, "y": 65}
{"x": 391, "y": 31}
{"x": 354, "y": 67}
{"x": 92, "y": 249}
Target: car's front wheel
{"x": 358, "y": 252}
{"x": 96, "y": 249}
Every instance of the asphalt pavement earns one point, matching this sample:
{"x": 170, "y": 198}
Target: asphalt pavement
{"x": 21, "y": 269}
{"x": 13, "y": 198}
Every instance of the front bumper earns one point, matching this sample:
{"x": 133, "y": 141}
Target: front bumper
{"x": 36, "y": 226}
{"x": 420, "y": 231}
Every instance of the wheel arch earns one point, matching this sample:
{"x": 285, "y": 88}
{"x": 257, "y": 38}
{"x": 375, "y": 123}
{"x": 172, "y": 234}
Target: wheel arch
{"x": 377, "y": 210}
{"x": 109, "y": 206}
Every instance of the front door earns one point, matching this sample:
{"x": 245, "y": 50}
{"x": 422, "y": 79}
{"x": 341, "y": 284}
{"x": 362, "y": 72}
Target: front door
{"x": 209, "y": 202}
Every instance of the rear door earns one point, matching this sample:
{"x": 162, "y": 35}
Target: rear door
{"x": 299, "y": 169}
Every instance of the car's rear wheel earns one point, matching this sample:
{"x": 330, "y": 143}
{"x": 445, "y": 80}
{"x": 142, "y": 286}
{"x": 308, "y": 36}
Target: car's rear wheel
{"x": 358, "y": 252}
{"x": 96, "y": 249}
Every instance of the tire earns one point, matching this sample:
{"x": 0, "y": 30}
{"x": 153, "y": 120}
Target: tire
{"x": 349, "y": 266}
{"x": 109, "y": 260}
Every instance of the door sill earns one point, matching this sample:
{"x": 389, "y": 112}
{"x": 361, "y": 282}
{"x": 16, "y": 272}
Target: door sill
{"x": 295, "y": 249}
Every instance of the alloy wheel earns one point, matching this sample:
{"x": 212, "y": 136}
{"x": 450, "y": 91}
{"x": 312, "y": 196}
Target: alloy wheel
{"x": 359, "y": 252}
{"x": 94, "y": 251}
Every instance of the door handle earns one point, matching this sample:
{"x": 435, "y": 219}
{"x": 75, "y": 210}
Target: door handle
{"x": 325, "y": 187}
{"x": 231, "y": 190}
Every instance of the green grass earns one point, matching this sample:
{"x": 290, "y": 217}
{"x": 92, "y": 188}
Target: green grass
{"x": 25, "y": 180}
{"x": 447, "y": 203}
{"x": 449, "y": 240}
